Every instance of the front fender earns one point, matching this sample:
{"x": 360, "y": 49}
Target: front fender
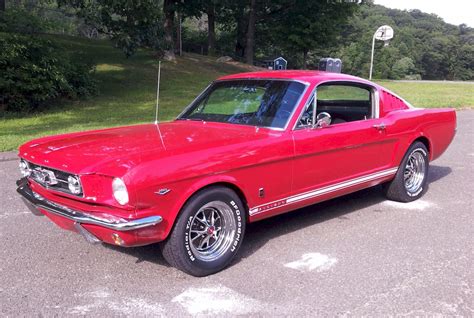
{"x": 169, "y": 204}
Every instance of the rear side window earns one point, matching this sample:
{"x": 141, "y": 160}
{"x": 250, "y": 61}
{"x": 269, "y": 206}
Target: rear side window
{"x": 343, "y": 92}
{"x": 345, "y": 103}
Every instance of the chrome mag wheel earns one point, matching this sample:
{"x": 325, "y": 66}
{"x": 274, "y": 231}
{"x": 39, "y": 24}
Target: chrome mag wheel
{"x": 213, "y": 228}
{"x": 415, "y": 170}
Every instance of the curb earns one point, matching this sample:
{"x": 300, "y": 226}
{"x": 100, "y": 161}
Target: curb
{"x": 8, "y": 156}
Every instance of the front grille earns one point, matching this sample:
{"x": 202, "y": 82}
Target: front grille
{"x": 51, "y": 178}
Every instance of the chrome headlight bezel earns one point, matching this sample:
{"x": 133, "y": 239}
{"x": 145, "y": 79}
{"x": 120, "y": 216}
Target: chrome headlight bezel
{"x": 74, "y": 184}
{"x": 120, "y": 192}
{"x": 25, "y": 169}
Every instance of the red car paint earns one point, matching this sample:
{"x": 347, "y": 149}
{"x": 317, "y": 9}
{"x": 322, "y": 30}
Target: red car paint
{"x": 295, "y": 168}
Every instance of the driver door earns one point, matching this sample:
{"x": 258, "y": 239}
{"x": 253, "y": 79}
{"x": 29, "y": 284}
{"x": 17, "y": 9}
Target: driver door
{"x": 352, "y": 146}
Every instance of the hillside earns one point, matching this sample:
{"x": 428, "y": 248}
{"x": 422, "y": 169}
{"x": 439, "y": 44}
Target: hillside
{"x": 423, "y": 46}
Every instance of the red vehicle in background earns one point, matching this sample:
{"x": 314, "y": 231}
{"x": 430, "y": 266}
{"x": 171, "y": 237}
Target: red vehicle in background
{"x": 251, "y": 146}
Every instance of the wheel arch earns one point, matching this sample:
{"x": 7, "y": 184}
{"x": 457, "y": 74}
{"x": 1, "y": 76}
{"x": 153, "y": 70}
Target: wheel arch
{"x": 205, "y": 184}
{"x": 225, "y": 184}
{"x": 426, "y": 142}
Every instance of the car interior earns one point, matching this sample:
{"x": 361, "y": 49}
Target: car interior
{"x": 343, "y": 102}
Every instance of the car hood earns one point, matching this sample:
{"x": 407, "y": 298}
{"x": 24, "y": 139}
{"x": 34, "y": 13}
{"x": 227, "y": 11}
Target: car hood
{"x": 114, "y": 151}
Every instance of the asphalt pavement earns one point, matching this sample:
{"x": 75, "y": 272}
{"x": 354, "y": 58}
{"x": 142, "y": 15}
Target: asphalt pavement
{"x": 351, "y": 256}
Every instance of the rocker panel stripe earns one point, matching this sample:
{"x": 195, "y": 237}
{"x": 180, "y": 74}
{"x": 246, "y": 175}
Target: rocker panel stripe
{"x": 321, "y": 191}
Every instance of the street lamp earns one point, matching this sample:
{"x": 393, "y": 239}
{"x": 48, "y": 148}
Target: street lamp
{"x": 384, "y": 33}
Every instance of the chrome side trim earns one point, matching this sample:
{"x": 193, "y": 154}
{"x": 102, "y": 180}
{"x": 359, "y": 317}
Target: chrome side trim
{"x": 34, "y": 201}
{"x": 375, "y": 103}
{"x": 321, "y": 191}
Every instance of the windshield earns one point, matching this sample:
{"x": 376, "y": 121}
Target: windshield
{"x": 265, "y": 103}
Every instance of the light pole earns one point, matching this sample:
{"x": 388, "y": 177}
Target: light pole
{"x": 384, "y": 33}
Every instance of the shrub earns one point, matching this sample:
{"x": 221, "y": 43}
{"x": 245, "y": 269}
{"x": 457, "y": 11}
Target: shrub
{"x": 403, "y": 67}
{"x": 35, "y": 71}
{"x": 21, "y": 21}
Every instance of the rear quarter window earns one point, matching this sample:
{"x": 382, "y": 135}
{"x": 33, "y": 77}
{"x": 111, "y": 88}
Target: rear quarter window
{"x": 391, "y": 103}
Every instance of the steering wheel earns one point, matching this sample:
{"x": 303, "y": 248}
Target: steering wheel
{"x": 307, "y": 118}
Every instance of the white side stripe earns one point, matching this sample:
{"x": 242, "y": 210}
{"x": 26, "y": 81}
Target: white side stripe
{"x": 321, "y": 191}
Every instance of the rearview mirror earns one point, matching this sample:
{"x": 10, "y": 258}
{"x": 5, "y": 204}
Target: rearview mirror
{"x": 323, "y": 120}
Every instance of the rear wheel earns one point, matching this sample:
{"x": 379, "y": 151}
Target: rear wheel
{"x": 207, "y": 233}
{"x": 409, "y": 183}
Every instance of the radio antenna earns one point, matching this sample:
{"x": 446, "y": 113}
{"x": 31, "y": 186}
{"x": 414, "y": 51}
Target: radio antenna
{"x": 158, "y": 93}
{"x": 158, "y": 104}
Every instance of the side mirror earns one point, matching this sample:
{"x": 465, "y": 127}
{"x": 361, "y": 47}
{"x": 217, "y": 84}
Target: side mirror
{"x": 323, "y": 120}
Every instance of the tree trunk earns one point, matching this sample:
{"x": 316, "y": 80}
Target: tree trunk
{"x": 179, "y": 40}
{"x": 249, "y": 50}
{"x": 241, "y": 22}
{"x": 2, "y": 5}
{"x": 169, "y": 10}
{"x": 211, "y": 29}
{"x": 305, "y": 59}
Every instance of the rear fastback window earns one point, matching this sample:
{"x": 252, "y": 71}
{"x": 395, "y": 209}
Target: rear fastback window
{"x": 266, "y": 103}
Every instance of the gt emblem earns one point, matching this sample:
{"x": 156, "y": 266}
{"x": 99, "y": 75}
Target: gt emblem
{"x": 162, "y": 191}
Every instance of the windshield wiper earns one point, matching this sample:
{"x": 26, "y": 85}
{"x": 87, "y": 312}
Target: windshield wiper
{"x": 191, "y": 119}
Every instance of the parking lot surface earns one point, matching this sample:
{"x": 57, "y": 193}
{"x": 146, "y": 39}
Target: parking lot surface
{"x": 355, "y": 255}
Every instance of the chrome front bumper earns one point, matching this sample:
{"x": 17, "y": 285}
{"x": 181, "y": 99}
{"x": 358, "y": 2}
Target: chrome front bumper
{"x": 34, "y": 201}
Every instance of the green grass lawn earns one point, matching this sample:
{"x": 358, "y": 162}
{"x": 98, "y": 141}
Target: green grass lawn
{"x": 128, "y": 92}
{"x": 434, "y": 94}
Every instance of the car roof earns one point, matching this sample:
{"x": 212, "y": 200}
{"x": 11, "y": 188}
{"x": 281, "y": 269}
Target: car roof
{"x": 313, "y": 77}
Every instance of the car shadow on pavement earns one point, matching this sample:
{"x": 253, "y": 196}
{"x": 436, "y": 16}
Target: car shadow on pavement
{"x": 438, "y": 172}
{"x": 149, "y": 253}
{"x": 259, "y": 233}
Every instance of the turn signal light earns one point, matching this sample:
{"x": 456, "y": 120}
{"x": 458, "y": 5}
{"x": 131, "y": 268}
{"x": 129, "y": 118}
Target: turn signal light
{"x": 117, "y": 239}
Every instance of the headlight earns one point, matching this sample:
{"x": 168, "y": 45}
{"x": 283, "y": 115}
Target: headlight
{"x": 24, "y": 168}
{"x": 74, "y": 185}
{"x": 120, "y": 191}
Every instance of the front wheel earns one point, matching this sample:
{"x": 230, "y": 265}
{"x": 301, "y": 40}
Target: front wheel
{"x": 409, "y": 183}
{"x": 207, "y": 233}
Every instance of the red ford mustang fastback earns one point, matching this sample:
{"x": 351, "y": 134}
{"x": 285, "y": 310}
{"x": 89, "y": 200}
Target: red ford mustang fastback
{"x": 251, "y": 146}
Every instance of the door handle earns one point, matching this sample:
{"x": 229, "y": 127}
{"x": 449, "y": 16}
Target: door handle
{"x": 380, "y": 126}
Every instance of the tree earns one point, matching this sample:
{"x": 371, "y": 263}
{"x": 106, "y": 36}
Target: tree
{"x": 130, "y": 23}
{"x": 197, "y": 8}
{"x": 211, "y": 28}
{"x": 2, "y": 5}
{"x": 251, "y": 33}
{"x": 169, "y": 8}
{"x": 301, "y": 26}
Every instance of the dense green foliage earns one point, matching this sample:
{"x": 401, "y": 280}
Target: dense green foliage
{"x": 424, "y": 46}
{"x": 302, "y": 26}
{"x": 36, "y": 71}
{"x": 130, "y": 24}
{"x": 35, "y": 16}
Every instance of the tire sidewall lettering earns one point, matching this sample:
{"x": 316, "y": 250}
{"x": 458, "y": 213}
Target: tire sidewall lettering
{"x": 237, "y": 236}
{"x": 187, "y": 245}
